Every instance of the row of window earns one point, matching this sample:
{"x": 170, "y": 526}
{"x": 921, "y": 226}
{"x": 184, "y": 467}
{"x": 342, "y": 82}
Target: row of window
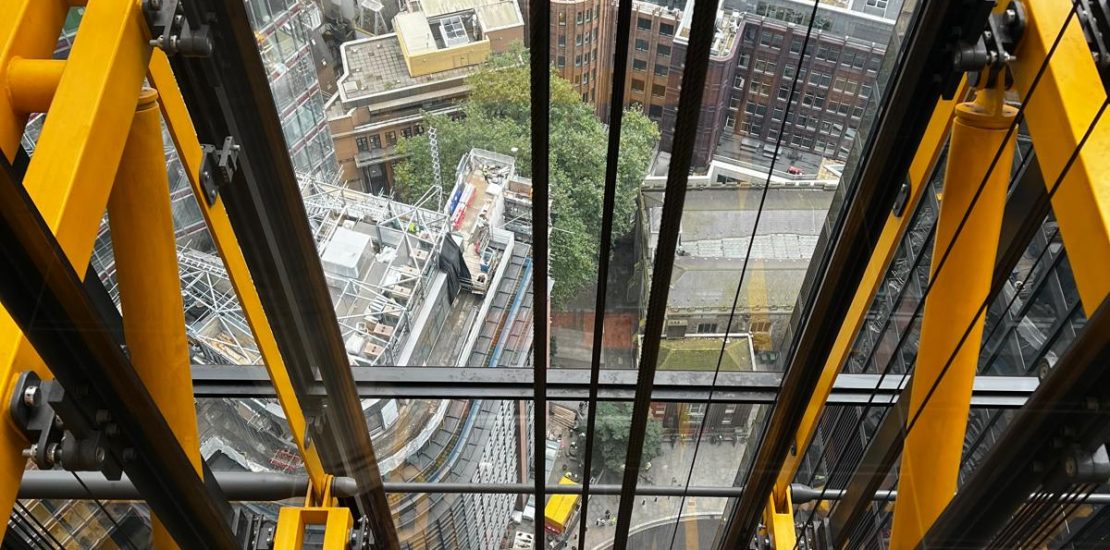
{"x": 645, "y": 24}
{"x": 640, "y": 65}
{"x": 579, "y": 59}
{"x": 827, "y": 53}
{"x": 579, "y": 39}
{"x": 373, "y": 142}
{"x": 656, "y": 89}
{"x": 662, "y": 50}
{"x": 580, "y": 17}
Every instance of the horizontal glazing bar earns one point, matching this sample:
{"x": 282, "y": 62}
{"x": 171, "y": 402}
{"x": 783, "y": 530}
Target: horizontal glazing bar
{"x": 615, "y": 385}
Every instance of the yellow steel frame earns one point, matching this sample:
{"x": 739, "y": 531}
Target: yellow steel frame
{"x": 77, "y": 153}
{"x": 1059, "y": 113}
{"x": 80, "y": 153}
{"x": 292, "y": 522}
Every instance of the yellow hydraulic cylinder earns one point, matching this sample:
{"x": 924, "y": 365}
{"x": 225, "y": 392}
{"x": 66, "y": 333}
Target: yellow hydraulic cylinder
{"x": 933, "y": 448}
{"x": 149, "y": 282}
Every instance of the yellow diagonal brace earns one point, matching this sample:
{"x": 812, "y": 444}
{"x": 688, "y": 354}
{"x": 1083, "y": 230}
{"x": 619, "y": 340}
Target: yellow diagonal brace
{"x": 1058, "y": 114}
{"x": 76, "y": 157}
{"x": 921, "y": 171}
{"x": 188, "y": 148}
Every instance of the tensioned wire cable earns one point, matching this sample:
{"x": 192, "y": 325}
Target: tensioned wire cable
{"x": 100, "y": 505}
{"x": 744, "y": 267}
{"x": 959, "y": 230}
{"x": 30, "y": 534}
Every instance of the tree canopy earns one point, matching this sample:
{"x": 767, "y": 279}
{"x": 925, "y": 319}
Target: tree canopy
{"x": 614, "y": 421}
{"x": 496, "y": 117}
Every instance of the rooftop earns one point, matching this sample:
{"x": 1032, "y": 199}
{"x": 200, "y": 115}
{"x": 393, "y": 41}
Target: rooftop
{"x": 701, "y": 354}
{"x": 372, "y": 66}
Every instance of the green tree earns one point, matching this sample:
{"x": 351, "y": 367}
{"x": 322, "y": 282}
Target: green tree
{"x": 614, "y": 421}
{"x": 497, "y": 117}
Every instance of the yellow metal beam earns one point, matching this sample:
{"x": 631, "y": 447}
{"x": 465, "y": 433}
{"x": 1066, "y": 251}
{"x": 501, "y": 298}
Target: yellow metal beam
{"x": 149, "y": 282}
{"x": 77, "y": 153}
{"x": 920, "y": 173}
{"x": 188, "y": 148}
{"x": 29, "y": 29}
{"x": 1058, "y": 114}
{"x": 933, "y": 448}
{"x": 778, "y": 519}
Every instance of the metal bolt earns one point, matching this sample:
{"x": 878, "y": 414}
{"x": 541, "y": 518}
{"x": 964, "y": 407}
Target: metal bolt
{"x": 100, "y": 455}
{"x": 31, "y": 451}
{"x": 31, "y": 396}
{"x": 53, "y": 453}
{"x": 154, "y": 4}
{"x": 58, "y": 423}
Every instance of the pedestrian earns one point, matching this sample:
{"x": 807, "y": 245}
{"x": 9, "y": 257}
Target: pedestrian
{"x": 643, "y": 502}
{"x": 656, "y": 498}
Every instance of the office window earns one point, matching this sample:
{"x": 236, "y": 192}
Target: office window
{"x": 578, "y": 40}
{"x": 784, "y": 91}
{"x": 641, "y": 45}
{"x": 660, "y": 69}
{"x": 362, "y": 144}
{"x": 655, "y": 111}
{"x": 391, "y": 137}
{"x": 562, "y": 61}
{"x": 796, "y": 45}
{"x": 637, "y": 85}
{"x": 562, "y": 18}
{"x": 776, "y": 42}
{"x": 643, "y": 24}
{"x": 639, "y": 65}
{"x": 578, "y": 60}
{"x": 578, "y": 18}
{"x": 663, "y": 50}
{"x": 658, "y": 91}
{"x": 880, "y": 4}
{"x": 562, "y": 40}
{"x": 375, "y": 142}
{"x": 666, "y": 29}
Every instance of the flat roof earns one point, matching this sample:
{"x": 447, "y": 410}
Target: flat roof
{"x": 373, "y": 66}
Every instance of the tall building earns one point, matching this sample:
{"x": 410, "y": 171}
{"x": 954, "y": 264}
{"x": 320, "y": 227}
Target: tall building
{"x": 754, "y": 56}
{"x": 285, "y": 30}
{"x": 390, "y": 82}
{"x": 581, "y": 47}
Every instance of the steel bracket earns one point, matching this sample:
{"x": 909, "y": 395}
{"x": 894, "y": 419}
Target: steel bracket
{"x": 218, "y": 167}
{"x": 50, "y": 418}
{"x": 173, "y": 32}
{"x": 987, "y": 56}
{"x": 254, "y": 531}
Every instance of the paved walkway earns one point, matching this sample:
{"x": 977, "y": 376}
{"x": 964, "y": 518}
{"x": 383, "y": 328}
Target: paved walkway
{"x": 717, "y": 464}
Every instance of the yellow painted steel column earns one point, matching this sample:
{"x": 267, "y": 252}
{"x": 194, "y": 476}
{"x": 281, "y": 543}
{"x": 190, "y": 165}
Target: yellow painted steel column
{"x": 932, "y": 450}
{"x": 141, "y": 220}
{"x": 76, "y": 156}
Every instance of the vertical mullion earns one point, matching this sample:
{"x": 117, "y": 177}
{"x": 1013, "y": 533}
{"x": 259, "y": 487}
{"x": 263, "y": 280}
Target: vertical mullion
{"x": 686, "y": 125}
{"x": 539, "y": 13}
{"x": 605, "y": 245}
